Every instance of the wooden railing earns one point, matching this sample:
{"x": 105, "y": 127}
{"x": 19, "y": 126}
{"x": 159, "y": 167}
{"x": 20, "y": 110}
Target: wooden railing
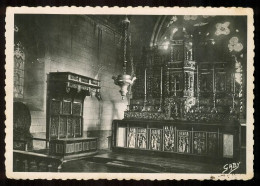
{"x": 28, "y": 160}
{"x": 47, "y": 158}
{"x": 23, "y": 144}
{"x": 25, "y": 161}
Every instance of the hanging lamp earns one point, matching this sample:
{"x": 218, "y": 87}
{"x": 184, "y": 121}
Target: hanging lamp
{"x": 124, "y": 80}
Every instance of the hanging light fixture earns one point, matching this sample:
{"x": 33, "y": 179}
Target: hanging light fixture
{"x": 124, "y": 80}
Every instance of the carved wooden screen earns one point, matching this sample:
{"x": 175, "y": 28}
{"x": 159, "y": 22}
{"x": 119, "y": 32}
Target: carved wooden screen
{"x": 65, "y": 118}
{"x": 183, "y": 141}
{"x": 169, "y": 138}
{"x": 199, "y": 142}
{"x": 155, "y": 139}
{"x": 131, "y": 138}
{"x": 55, "y": 110}
{"x": 142, "y": 138}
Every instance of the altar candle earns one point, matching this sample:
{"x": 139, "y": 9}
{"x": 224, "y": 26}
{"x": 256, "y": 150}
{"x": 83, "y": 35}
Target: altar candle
{"x": 175, "y": 88}
{"x": 213, "y": 74}
{"x": 198, "y": 86}
{"x": 161, "y": 80}
{"x": 197, "y": 78}
{"x": 145, "y": 81}
{"x": 234, "y": 83}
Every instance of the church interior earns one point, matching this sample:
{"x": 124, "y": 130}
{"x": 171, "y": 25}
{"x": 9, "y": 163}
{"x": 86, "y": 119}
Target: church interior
{"x": 129, "y": 93}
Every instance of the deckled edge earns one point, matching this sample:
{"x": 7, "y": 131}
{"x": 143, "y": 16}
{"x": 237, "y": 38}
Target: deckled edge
{"x": 10, "y": 11}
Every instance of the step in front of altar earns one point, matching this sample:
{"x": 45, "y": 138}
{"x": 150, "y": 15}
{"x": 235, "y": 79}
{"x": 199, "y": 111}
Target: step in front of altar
{"x": 146, "y": 163}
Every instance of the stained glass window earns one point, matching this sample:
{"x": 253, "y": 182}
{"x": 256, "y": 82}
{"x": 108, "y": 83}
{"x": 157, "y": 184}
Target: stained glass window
{"x": 19, "y": 58}
{"x": 222, "y": 28}
{"x": 235, "y": 45}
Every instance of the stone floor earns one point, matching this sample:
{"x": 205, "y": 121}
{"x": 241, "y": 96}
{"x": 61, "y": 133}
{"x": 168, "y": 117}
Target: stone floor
{"x": 107, "y": 161}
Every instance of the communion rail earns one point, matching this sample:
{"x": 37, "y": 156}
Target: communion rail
{"x": 25, "y": 161}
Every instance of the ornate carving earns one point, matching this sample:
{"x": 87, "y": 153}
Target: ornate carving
{"x": 55, "y": 107}
{"x": 141, "y": 138}
{"x": 63, "y": 126}
{"x": 77, "y": 126}
{"x": 199, "y": 142}
{"x": 183, "y": 141}
{"x": 131, "y": 138}
{"x": 208, "y": 96}
{"x": 66, "y": 107}
{"x": 76, "y": 108}
{"x": 169, "y": 138}
{"x": 144, "y": 115}
{"x": 73, "y": 77}
{"x": 212, "y": 143}
{"x": 155, "y": 139}
{"x": 70, "y": 132}
{"x": 54, "y": 126}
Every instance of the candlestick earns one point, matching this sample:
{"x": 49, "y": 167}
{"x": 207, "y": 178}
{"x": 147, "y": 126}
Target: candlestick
{"x": 234, "y": 91}
{"x": 197, "y": 79}
{"x": 198, "y": 85}
{"x": 175, "y": 84}
{"x": 234, "y": 83}
{"x": 145, "y": 100}
{"x": 213, "y": 81}
{"x": 145, "y": 82}
{"x": 214, "y": 90}
{"x": 160, "y": 107}
{"x": 161, "y": 80}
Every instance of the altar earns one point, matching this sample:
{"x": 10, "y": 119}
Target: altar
{"x": 182, "y": 107}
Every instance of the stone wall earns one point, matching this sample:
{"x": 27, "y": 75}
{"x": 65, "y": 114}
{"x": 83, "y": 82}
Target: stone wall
{"x": 77, "y": 44}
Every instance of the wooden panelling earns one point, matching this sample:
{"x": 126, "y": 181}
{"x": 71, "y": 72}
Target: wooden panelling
{"x": 213, "y": 140}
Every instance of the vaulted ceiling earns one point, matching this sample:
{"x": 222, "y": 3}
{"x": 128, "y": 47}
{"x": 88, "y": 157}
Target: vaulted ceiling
{"x": 222, "y": 35}
{"x": 216, "y": 38}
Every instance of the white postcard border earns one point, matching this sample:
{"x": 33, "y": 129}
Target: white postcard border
{"x": 135, "y": 11}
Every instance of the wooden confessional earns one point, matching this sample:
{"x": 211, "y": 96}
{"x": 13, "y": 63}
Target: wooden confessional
{"x": 65, "y": 104}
